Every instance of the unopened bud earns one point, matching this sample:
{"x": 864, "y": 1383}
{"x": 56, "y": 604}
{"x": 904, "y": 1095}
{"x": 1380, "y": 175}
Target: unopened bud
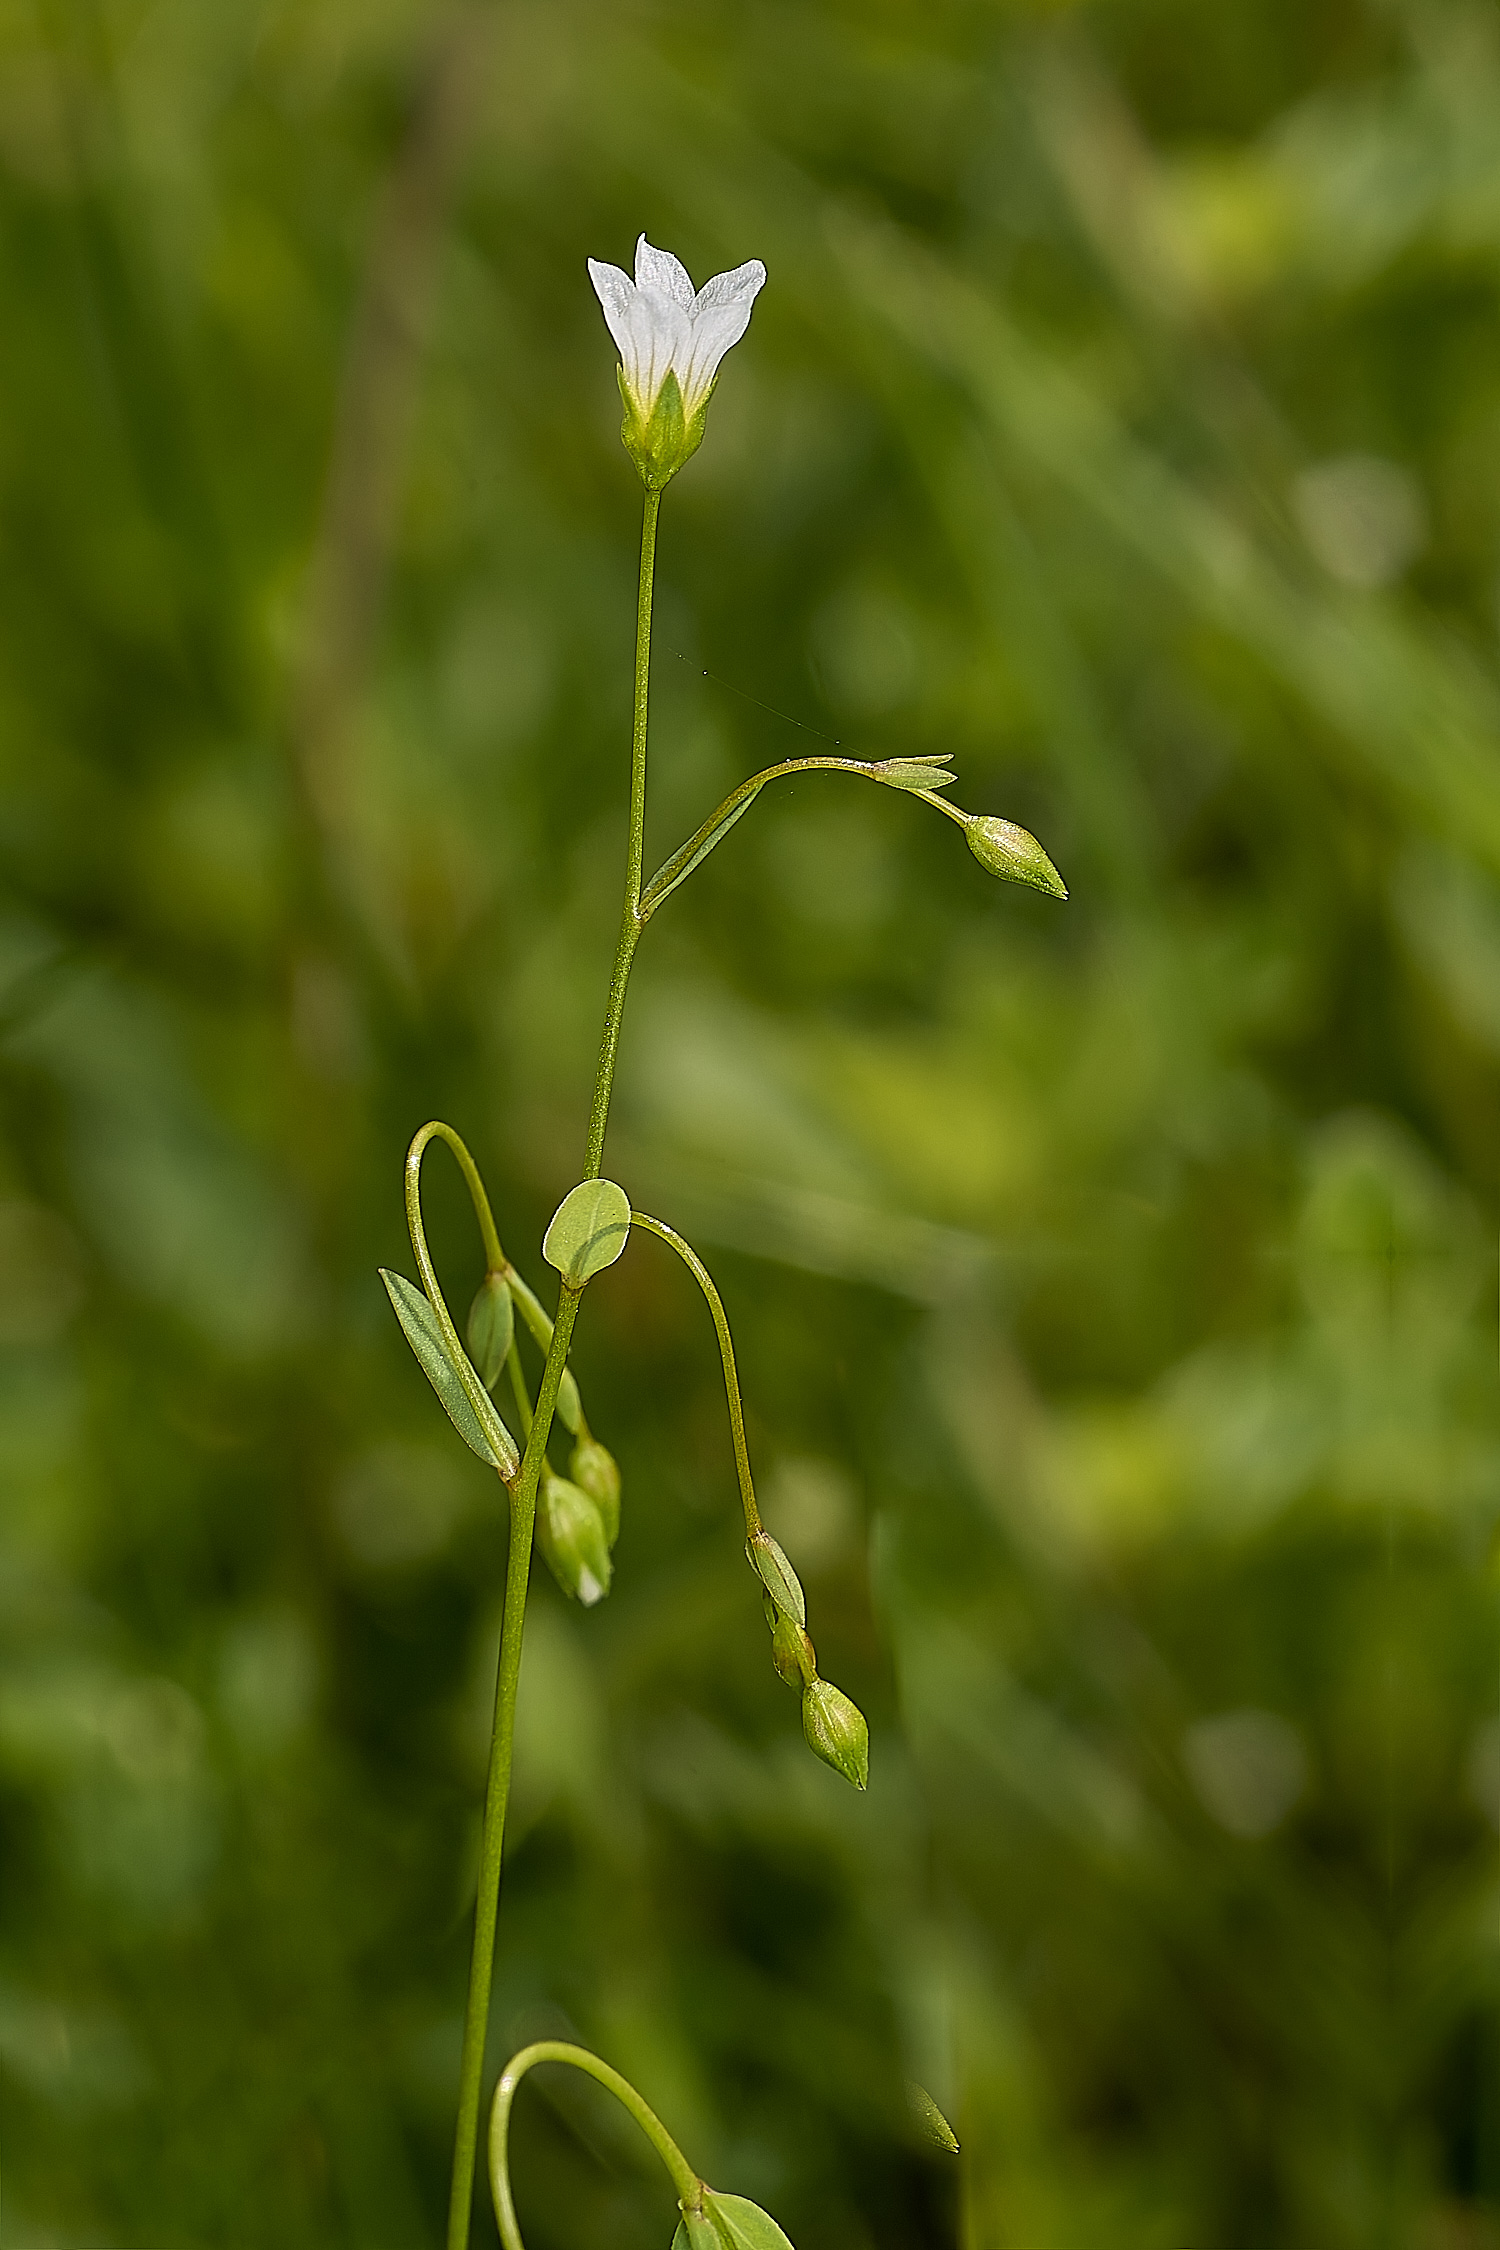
{"x": 492, "y": 1324}
{"x": 836, "y": 1731}
{"x": 595, "y": 1471}
{"x": 792, "y": 1653}
{"x": 571, "y": 1531}
{"x": 1007, "y": 850}
{"x": 768, "y": 1561}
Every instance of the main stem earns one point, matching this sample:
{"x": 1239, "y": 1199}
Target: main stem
{"x": 631, "y": 924}
{"x": 524, "y": 1490}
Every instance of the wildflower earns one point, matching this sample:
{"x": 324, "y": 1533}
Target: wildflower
{"x": 671, "y": 339}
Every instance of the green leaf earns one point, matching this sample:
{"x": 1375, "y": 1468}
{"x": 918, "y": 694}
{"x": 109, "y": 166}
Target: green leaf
{"x": 914, "y": 773}
{"x": 680, "y": 866}
{"x": 588, "y": 1231}
{"x": 478, "y": 1425}
{"x": 695, "y": 2232}
{"x": 929, "y": 2119}
{"x": 768, "y": 1560}
{"x": 742, "y": 2225}
{"x": 492, "y": 1324}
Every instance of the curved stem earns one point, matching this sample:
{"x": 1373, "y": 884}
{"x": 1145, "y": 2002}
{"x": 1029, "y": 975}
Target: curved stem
{"x": 631, "y": 920}
{"x": 497, "y": 1791}
{"x": 478, "y": 1396}
{"x": 684, "y": 2179}
{"x": 704, "y": 1279}
{"x": 494, "y": 1256}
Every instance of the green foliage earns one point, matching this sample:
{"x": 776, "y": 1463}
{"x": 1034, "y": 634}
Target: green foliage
{"x": 589, "y": 1229}
{"x": 467, "y": 1409}
{"x": 1113, "y": 1284}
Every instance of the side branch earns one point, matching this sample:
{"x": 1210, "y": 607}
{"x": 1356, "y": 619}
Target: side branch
{"x": 921, "y": 775}
{"x": 704, "y": 1279}
{"x": 684, "y": 2179}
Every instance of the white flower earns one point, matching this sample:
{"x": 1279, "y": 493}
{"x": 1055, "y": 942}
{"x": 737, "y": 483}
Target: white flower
{"x": 663, "y": 327}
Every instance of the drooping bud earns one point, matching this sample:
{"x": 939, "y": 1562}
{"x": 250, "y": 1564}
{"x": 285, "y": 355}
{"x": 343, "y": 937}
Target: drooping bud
{"x": 768, "y": 1561}
{"x": 492, "y": 1324}
{"x": 1013, "y": 852}
{"x": 836, "y": 1731}
{"x": 570, "y": 1530}
{"x": 595, "y": 1471}
{"x": 792, "y": 1653}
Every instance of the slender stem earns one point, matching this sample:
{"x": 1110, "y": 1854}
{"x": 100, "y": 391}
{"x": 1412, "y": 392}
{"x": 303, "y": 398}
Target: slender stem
{"x": 497, "y": 1793}
{"x": 631, "y": 923}
{"x": 686, "y": 2181}
{"x": 704, "y": 1279}
{"x": 494, "y": 1256}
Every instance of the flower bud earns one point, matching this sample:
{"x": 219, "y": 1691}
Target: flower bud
{"x": 571, "y": 1531}
{"x": 595, "y": 1471}
{"x": 836, "y": 1731}
{"x": 792, "y": 1653}
{"x": 1007, "y": 850}
{"x": 492, "y": 1324}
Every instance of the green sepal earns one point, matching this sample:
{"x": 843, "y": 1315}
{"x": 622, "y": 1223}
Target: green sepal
{"x": 659, "y": 447}
{"x": 589, "y": 1229}
{"x": 472, "y": 1415}
{"x": 491, "y": 1327}
{"x": 768, "y": 1561}
{"x": 835, "y": 1731}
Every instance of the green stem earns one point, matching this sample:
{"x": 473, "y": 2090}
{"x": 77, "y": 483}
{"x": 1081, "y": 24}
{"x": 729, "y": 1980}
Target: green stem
{"x": 631, "y": 922}
{"x": 704, "y": 1279}
{"x": 686, "y": 2181}
{"x": 523, "y": 1491}
{"x": 497, "y": 1792}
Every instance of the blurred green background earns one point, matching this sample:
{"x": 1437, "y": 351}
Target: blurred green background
{"x": 1114, "y": 1283}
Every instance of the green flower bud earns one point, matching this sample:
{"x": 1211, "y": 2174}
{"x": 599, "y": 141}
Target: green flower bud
{"x": 1007, "y": 850}
{"x": 792, "y": 1653}
{"x": 492, "y": 1324}
{"x": 571, "y": 1531}
{"x": 595, "y": 1471}
{"x": 836, "y": 1731}
{"x": 768, "y": 1561}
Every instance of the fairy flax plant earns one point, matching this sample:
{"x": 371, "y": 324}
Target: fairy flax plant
{"x": 671, "y": 340}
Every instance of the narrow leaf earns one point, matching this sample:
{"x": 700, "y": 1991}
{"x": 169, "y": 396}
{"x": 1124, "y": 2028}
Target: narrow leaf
{"x": 680, "y": 866}
{"x": 768, "y": 1560}
{"x": 929, "y": 2119}
{"x": 481, "y": 1428}
{"x": 913, "y": 773}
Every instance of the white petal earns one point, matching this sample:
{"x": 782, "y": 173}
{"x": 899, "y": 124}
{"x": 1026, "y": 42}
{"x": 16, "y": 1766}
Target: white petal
{"x": 719, "y": 320}
{"x": 745, "y": 281}
{"x": 650, "y": 330}
{"x": 658, "y": 269}
{"x": 614, "y": 291}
